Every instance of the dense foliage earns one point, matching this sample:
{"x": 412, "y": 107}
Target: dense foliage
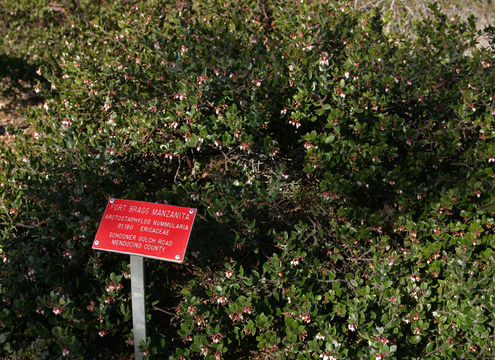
{"x": 343, "y": 178}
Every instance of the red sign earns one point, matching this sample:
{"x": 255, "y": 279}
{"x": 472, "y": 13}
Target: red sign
{"x": 141, "y": 228}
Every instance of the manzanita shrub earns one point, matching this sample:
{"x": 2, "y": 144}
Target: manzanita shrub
{"x": 343, "y": 178}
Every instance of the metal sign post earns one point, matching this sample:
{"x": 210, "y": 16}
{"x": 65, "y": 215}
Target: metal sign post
{"x": 139, "y": 228}
{"x": 138, "y": 299}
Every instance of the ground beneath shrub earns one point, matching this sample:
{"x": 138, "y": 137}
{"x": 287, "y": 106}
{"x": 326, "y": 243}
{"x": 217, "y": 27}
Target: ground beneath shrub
{"x": 15, "y": 98}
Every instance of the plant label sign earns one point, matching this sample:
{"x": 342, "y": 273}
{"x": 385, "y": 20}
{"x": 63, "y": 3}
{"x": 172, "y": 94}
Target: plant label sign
{"x": 146, "y": 229}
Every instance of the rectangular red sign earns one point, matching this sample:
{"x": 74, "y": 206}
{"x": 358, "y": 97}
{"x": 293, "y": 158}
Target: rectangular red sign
{"x": 141, "y": 228}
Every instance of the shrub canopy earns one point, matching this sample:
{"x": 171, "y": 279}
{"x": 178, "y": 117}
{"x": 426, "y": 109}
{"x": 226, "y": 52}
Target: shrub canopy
{"x": 343, "y": 178}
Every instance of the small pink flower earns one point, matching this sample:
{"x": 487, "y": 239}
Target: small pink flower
{"x": 199, "y": 320}
{"x": 295, "y": 123}
{"x": 379, "y": 356}
{"x": 179, "y": 96}
{"x": 415, "y": 278}
{"x": 309, "y": 47}
{"x": 320, "y": 337}
{"x": 191, "y": 310}
{"x": 216, "y": 338}
{"x": 30, "y": 274}
{"x": 324, "y": 59}
{"x": 66, "y": 123}
{"x": 222, "y": 300}
{"x": 236, "y": 317}
{"x": 245, "y": 146}
{"x": 352, "y": 327}
{"x": 294, "y": 262}
{"x": 65, "y": 351}
{"x": 219, "y": 213}
{"x": 67, "y": 253}
{"x": 228, "y": 274}
{"x": 327, "y": 357}
{"x": 383, "y": 339}
{"x": 102, "y": 333}
{"x": 378, "y": 229}
{"x": 306, "y": 317}
{"x": 202, "y": 79}
{"x": 58, "y": 310}
{"x": 308, "y": 145}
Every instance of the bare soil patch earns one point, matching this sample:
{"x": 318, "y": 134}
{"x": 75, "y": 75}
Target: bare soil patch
{"x": 16, "y": 96}
{"x": 11, "y": 104}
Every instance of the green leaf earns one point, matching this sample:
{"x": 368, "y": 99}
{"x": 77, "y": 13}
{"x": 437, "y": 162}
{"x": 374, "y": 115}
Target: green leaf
{"x": 4, "y": 337}
{"x": 416, "y": 339}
